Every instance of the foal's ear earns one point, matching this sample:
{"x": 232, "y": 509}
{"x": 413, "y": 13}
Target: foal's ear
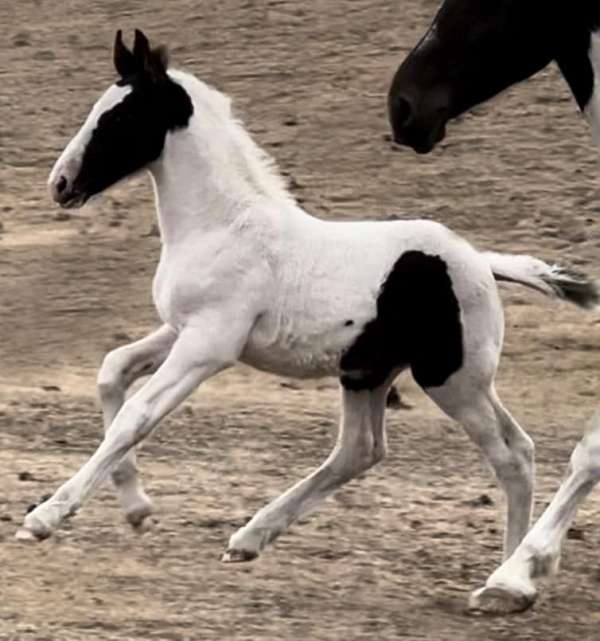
{"x": 153, "y": 62}
{"x": 141, "y": 46}
{"x": 124, "y": 60}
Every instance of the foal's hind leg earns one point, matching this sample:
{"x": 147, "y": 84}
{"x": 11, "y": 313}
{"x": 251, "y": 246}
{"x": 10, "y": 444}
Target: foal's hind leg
{"x": 361, "y": 443}
{"x": 120, "y": 369}
{"x": 512, "y": 587}
{"x": 504, "y": 443}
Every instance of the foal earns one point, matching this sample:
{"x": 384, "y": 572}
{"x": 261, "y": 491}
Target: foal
{"x": 246, "y": 275}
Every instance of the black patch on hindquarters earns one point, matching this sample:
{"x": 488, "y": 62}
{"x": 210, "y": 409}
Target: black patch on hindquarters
{"x": 417, "y": 325}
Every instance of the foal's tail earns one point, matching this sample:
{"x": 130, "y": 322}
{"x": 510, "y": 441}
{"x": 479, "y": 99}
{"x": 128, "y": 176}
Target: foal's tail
{"x": 552, "y": 280}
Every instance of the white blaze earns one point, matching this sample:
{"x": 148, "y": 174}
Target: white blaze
{"x": 69, "y": 162}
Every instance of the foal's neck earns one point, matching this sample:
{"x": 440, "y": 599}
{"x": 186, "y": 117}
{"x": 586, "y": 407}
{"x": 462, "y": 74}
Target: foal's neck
{"x": 190, "y": 197}
{"x": 211, "y": 170}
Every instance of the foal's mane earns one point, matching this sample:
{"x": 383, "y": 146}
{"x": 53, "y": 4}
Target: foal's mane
{"x": 251, "y": 162}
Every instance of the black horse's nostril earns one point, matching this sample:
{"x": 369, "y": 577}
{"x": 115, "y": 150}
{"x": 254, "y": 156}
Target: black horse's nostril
{"x": 61, "y": 184}
{"x": 402, "y": 112}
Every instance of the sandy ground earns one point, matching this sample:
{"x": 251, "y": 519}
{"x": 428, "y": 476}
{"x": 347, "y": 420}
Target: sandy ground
{"x": 393, "y": 555}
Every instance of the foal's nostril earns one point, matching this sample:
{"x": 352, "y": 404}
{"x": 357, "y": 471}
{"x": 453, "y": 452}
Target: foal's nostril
{"x": 61, "y": 189}
{"x": 61, "y": 184}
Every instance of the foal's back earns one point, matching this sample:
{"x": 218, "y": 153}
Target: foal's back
{"x": 330, "y": 282}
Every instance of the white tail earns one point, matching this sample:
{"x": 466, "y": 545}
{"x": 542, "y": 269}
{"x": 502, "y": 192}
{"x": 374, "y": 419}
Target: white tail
{"x": 552, "y": 280}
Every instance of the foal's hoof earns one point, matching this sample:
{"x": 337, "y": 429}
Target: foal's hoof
{"x": 34, "y": 528}
{"x": 500, "y": 600}
{"x": 238, "y": 556}
{"x": 137, "y": 517}
{"x": 27, "y": 536}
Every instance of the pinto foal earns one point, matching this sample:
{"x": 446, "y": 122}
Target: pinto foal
{"x": 246, "y": 275}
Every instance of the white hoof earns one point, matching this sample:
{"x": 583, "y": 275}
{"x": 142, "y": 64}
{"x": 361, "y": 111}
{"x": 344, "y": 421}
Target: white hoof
{"x": 136, "y": 517}
{"x": 27, "y": 536}
{"x": 499, "y": 599}
{"x": 247, "y": 543}
{"x": 33, "y": 530}
{"x": 238, "y": 556}
{"x": 41, "y": 522}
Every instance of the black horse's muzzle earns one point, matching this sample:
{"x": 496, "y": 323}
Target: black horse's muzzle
{"x": 415, "y": 124}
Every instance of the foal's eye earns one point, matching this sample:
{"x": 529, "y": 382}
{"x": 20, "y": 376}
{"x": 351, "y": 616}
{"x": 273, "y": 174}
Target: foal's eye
{"x": 121, "y": 119}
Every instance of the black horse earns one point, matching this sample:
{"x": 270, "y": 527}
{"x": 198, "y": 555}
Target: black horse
{"x": 474, "y": 49}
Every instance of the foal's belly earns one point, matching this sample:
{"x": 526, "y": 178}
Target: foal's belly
{"x": 295, "y": 363}
{"x": 286, "y": 351}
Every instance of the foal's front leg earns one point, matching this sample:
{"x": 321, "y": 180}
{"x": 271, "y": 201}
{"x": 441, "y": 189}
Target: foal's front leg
{"x": 197, "y": 354}
{"x": 361, "y": 443}
{"x": 119, "y": 370}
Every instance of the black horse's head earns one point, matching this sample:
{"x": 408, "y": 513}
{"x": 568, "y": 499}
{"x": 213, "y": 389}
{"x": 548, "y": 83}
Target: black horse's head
{"x": 475, "y": 49}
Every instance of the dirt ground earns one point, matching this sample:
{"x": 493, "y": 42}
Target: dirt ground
{"x": 395, "y": 554}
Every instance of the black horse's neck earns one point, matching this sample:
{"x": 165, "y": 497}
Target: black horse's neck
{"x": 477, "y": 48}
{"x": 575, "y": 49}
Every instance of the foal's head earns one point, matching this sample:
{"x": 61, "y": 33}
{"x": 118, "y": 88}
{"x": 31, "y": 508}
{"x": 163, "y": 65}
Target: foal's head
{"x": 127, "y": 127}
{"x": 474, "y": 49}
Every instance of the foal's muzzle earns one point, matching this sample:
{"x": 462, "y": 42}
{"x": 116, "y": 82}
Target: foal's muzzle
{"x": 65, "y": 193}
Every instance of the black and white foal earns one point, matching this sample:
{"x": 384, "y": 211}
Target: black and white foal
{"x": 246, "y": 275}
{"x": 474, "y": 49}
